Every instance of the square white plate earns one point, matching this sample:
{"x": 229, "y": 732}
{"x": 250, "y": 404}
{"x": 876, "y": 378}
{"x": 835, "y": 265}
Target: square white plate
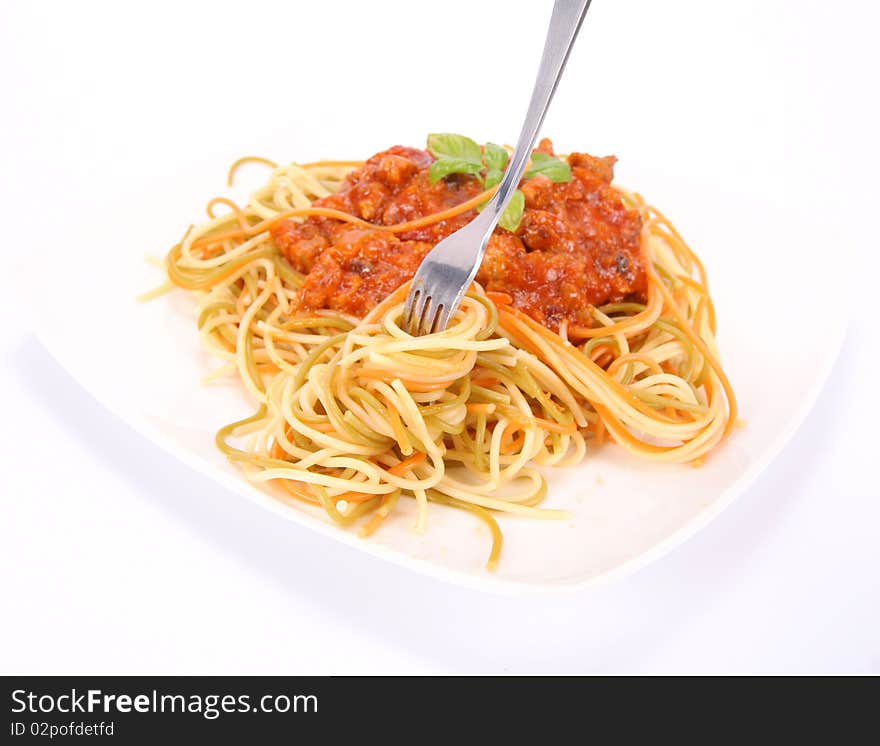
{"x": 144, "y": 362}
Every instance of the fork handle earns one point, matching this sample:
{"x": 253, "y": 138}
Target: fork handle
{"x": 568, "y": 15}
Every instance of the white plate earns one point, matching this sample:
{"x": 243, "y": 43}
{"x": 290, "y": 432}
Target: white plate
{"x": 144, "y": 362}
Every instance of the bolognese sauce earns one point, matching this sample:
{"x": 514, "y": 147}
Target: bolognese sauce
{"x": 577, "y": 245}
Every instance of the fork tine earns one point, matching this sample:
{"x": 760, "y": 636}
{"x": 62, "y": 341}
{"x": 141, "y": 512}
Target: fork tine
{"x": 443, "y": 317}
{"x": 420, "y": 307}
{"x": 411, "y": 298}
{"x": 426, "y": 319}
{"x": 413, "y": 308}
{"x": 430, "y": 322}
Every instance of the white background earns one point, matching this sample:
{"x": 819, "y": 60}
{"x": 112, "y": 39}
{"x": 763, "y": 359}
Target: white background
{"x": 117, "y": 559}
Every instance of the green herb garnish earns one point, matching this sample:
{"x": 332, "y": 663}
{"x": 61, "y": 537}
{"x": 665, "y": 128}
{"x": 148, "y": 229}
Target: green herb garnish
{"x": 457, "y": 154}
{"x": 495, "y": 158}
{"x": 513, "y": 212}
{"x": 546, "y": 165}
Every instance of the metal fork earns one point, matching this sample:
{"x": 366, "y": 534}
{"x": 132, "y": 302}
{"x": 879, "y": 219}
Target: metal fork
{"x": 449, "y": 268}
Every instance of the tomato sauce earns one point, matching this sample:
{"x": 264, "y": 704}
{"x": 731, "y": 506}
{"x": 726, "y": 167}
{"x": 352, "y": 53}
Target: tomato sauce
{"x": 577, "y": 245}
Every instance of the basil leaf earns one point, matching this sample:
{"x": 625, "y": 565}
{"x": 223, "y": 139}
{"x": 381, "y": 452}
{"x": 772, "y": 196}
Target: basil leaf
{"x": 446, "y": 145}
{"x": 447, "y": 166}
{"x": 493, "y": 177}
{"x": 546, "y": 165}
{"x": 494, "y": 156}
{"x": 513, "y": 212}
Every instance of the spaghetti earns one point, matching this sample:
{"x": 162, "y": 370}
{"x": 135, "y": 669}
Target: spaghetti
{"x": 354, "y": 414}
